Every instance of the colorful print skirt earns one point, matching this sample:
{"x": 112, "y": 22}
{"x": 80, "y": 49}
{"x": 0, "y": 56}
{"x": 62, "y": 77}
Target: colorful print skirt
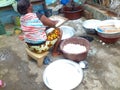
{"x": 52, "y": 38}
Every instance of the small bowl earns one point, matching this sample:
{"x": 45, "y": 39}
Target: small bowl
{"x": 90, "y": 25}
{"x": 75, "y": 40}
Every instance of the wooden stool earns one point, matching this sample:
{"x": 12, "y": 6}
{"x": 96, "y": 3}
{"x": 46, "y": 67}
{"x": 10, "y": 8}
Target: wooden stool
{"x": 38, "y": 57}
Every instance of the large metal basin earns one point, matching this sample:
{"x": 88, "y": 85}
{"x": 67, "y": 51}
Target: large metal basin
{"x": 108, "y": 37}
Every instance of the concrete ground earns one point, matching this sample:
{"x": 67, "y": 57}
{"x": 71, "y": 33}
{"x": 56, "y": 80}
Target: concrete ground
{"x": 19, "y": 73}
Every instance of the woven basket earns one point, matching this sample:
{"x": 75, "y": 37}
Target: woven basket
{"x": 75, "y": 40}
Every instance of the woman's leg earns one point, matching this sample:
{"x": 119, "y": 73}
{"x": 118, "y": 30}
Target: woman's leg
{"x": 55, "y": 51}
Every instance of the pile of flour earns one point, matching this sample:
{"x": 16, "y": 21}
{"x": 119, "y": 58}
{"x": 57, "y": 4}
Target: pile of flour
{"x": 74, "y": 48}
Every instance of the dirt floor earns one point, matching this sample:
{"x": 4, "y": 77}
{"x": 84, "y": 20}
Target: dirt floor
{"x": 19, "y": 73}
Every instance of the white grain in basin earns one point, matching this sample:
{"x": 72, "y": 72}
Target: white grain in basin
{"x": 74, "y": 48}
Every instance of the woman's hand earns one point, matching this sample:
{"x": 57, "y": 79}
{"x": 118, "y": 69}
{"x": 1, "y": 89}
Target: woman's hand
{"x": 55, "y": 22}
{"x": 48, "y": 22}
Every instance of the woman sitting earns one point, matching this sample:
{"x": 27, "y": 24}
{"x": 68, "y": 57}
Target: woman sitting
{"x": 34, "y": 29}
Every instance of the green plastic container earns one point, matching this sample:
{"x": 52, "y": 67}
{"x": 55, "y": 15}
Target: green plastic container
{"x": 2, "y": 29}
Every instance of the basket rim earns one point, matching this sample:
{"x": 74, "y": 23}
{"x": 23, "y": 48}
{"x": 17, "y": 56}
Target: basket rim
{"x": 87, "y": 48}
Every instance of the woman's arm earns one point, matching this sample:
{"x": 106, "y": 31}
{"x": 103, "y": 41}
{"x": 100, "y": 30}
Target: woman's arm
{"x": 47, "y": 22}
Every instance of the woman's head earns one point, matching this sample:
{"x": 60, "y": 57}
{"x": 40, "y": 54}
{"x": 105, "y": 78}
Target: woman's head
{"x": 24, "y": 6}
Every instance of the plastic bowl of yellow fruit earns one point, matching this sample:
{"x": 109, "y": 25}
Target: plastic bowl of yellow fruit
{"x": 67, "y": 31}
{"x": 53, "y": 34}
